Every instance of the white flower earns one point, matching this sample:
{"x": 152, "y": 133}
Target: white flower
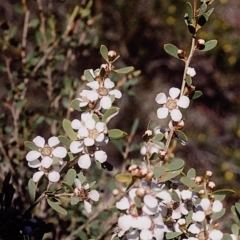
{"x": 103, "y": 92}
{"x": 47, "y": 152}
{"x": 216, "y": 235}
{"x": 171, "y": 104}
{"x": 191, "y": 72}
{"x": 84, "y": 160}
{"x": 53, "y": 176}
{"x": 84, "y": 194}
{"x": 93, "y": 132}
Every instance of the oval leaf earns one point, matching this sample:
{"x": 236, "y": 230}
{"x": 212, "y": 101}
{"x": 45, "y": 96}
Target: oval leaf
{"x": 171, "y": 235}
{"x": 169, "y": 175}
{"x": 74, "y": 200}
{"x": 221, "y": 194}
{"x": 209, "y": 45}
{"x": 227, "y": 236}
{"x": 124, "y": 70}
{"x": 197, "y": 94}
{"x": 110, "y": 113}
{"x": 235, "y": 229}
{"x": 70, "y": 176}
{"x": 191, "y": 173}
{"x": 189, "y": 10}
{"x": 32, "y": 189}
{"x": 171, "y": 50}
{"x": 31, "y": 145}
{"x": 188, "y": 182}
{"x": 158, "y": 171}
{"x": 75, "y": 104}
{"x": 218, "y": 215}
{"x": 104, "y": 52}
{"x": 124, "y": 178}
{"x": 68, "y": 129}
{"x": 115, "y": 134}
{"x": 88, "y": 75}
{"x": 182, "y": 137}
{"x": 56, "y": 207}
{"x": 175, "y": 164}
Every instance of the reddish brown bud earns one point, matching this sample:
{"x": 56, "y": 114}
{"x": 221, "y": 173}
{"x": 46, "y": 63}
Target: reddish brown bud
{"x": 112, "y": 54}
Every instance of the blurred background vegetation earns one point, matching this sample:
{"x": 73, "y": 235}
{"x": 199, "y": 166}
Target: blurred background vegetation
{"x": 45, "y": 46}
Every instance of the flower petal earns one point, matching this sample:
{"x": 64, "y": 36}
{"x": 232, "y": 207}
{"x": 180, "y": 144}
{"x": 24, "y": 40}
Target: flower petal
{"x": 162, "y": 112}
{"x": 37, "y": 176}
{"x": 93, "y": 85}
{"x": 174, "y": 92}
{"x": 87, "y": 206}
{"x": 84, "y": 161}
{"x": 123, "y": 204}
{"x": 92, "y": 95}
{"x": 176, "y": 115}
{"x": 183, "y": 102}
{"x": 53, "y": 141}
{"x": 217, "y": 206}
{"x": 60, "y": 152}
{"x": 124, "y": 222}
{"x": 33, "y": 155}
{"x": 161, "y": 98}
{"x": 78, "y": 183}
{"x": 76, "y": 124}
{"x": 46, "y": 162}
{"x": 100, "y": 156}
{"x": 76, "y": 147}
{"x": 94, "y": 195}
{"x": 53, "y": 176}
{"x": 106, "y": 102}
{"x": 90, "y": 123}
{"x": 108, "y": 83}
{"x": 88, "y": 142}
{"x": 116, "y": 93}
{"x": 34, "y": 164}
{"x": 39, "y": 141}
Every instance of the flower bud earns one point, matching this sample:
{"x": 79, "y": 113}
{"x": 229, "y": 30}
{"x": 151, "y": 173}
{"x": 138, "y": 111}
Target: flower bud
{"x": 211, "y": 185}
{"x": 191, "y": 72}
{"x": 200, "y": 44}
{"x": 209, "y": 173}
{"x": 140, "y": 192}
{"x": 162, "y": 154}
{"x": 198, "y": 179}
{"x": 181, "y": 54}
{"x": 112, "y": 54}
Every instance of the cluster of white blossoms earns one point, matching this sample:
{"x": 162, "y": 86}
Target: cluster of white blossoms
{"x": 152, "y": 210}
{"x": 46, "y": 158}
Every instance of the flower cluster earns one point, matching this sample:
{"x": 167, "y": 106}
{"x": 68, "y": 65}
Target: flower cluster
{"x": 46, "y": 158}
{"x": 153, "y": 210}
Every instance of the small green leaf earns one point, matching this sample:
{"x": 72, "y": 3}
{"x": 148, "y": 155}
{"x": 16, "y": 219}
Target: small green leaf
{"x": 138, "y": 201}
{"x": 158, "y": 137}
{"x": 169, "y": 175}
{"x": 210, "y": 11}
{"x": 75, "y": 104}
{"x": 175, "y": 164}
{"x": 116, "y": 134}
{"x": 124, "y": 178}
{"x": 89, "y": 75}
{"x": 67, "y": 185}
{"x": 189, "y": 11}
{"x": 191, "y": 173}
{"x": 209, "y": 45}
{"x": 171, "y": 50}
{"x": 226, "y": 236}
{"x": 74, "y": 200}
{"x": 158, "y": 171}
{"x": 92, "y": 184}
{"x": 124, "y": 70}
{"x": 56, "y": 207}
{"x": 81, "y": 177}
{"x": 189, "y": 218}
{"x": 235, "y": 229}
{"x": 104, "y": 52}
{"x": 188, "y": 182}
{"x": 221, "y": 194}
{"x": 171, "y": 235}
{"x": 181, "y": 136}
{"x": 64, "y": 140}
{"x": 109, "y": 114}
{"x": 189, "y": 81}
{"x": 218, "y": 215}
{"x": 135, "y": 126}
{"x": 203, "y": 9}
{"x": 237, "y": 206}
{"x": 70, "y": 176}
{"x": 32, "y": 189}
{"x": 197, "y": 94}
{"x": 31, "y": 145}
{"x": 68, "y": 129}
